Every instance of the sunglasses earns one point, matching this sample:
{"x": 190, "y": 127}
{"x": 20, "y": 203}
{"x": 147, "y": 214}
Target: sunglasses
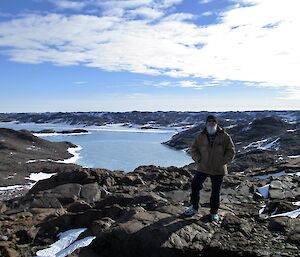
{"x": 211, "y": 121}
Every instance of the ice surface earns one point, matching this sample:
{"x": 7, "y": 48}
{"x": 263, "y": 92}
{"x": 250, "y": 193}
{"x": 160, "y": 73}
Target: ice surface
{"x": 39, "y": 176}
{"x": 291, "y": 214}
{"x": 278, "y": 174}
{"x": 264, "y": 191}
{"x": 65, "y": 245}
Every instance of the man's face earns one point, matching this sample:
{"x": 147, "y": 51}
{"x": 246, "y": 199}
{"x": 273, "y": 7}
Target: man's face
{"x": 211, "y": 123}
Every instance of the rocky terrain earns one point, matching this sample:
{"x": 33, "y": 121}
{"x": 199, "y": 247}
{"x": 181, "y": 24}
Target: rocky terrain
{"x": 145, "y": 119}
{"x": 140, "y": 213}
{"x": 259, "y": 143}
{"x": 52, "y": 131}
{"x": 22, "y": 153}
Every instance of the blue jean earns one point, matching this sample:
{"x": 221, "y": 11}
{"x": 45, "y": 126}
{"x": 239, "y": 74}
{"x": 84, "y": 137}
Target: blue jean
{"x": 197, "y": 185}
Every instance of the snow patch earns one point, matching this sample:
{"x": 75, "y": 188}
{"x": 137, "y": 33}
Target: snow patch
{"x": 60, "y": 134}
{"x": 76, "y": 155}
{"x": 255, "y": 144}
{"x": 65, "y": 246}
{"x": 289, "y": 117}
{"x": 231, "y": 126}
{"x": 264, "y": 191}
{"x": 33, "y": 177}
{"x": 263, "y": 145}
{"x": 297, "y": 174}
{"x": 72, "y": 150}
{"x": 296, "y": 203}
{"x": 270, "y": 145}
{"x": 39, "y": 176}
{"x": 291, "y": 130}
{"x": 291, "y": 214}
{"x": 11, "y": 176}
{"x": 41, "y": 160}
{"x": 293, "y": 156}
{"x": 119, "y": 127}
{"x": 278, "y": 174}
{"x": 32, "y": 161}
{"x": 32, "y": 147}
{"x": 17, "y": 187}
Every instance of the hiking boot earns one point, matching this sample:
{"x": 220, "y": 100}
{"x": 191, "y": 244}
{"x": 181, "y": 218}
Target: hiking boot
{"x": 214, "y": 217}
{"x": 190, "y": 211}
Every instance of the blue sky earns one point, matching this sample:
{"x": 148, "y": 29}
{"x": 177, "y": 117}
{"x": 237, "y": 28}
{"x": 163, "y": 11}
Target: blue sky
{"x": 123, "y": 55}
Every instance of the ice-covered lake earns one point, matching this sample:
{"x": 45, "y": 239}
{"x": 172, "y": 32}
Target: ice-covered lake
{"x": 116, "y": 147}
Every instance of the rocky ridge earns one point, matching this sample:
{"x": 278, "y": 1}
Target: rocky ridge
{"x": 140, "y": 214}
{"x": 158, "y": 118}
{"x": 22, "y": 153}
{"x": 259, "y": 143}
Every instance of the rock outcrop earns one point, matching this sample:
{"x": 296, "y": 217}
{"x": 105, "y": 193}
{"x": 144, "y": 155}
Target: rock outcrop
{"x": 22, "y": 153}
{"x": 140, "y": 214}
{"x": 262, "y": 142}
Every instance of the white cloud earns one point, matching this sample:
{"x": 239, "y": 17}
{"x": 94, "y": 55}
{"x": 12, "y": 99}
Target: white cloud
{"x": 179, "y": 83}
{"x": 179, "y": 17}
{"x": 255, "y": 43}
{"x": 189, "y": 83}
{"x": 67, "y": 4}
{"x": 205, "y": 1}
{"x": 167, "y": 3}
{"x": 80, "y": 82}
{"x": 291, "y": 93}
{"x": 124, "y": 4}
{"x": 146, "y": 12}
{"x": 207, "y": 14}
{"x": 146, "y": 8}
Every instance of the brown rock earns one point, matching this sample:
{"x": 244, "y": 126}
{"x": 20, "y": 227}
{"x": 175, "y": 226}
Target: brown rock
{"x": 79, "y": 206}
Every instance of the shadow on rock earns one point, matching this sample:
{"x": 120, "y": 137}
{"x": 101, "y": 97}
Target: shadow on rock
{"x": 133, "y": 238}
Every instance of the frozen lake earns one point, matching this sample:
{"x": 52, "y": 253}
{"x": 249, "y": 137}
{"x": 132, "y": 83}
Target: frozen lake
{"x": 116, "y": 147}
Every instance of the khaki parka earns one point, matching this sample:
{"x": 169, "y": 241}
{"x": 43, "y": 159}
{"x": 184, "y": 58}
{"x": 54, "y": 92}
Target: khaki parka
{"x": 213, "y": 160}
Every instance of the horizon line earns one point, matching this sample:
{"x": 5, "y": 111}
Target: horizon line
{"x": 213, "y": 111}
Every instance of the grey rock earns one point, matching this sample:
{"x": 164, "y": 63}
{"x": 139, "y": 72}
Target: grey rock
{"x": 46, "y": 202}
{"x": 279, "y": 223}
{"x": 276, "y": 194}
{"x": 91, "y": 192}
{"x": 66, "y": 193}
{"x": 233, "y": 223}
{"x": 79, "y": 206}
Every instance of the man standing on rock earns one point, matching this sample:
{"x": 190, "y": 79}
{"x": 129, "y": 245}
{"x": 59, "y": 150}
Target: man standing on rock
{"x": 212, "y": 150}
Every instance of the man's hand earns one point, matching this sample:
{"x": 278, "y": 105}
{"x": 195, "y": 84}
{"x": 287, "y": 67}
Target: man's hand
{"x": 196, "y": 158}
{"x": 195, "y": 151}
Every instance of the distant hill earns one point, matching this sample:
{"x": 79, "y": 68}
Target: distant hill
{"x": 20, "y": 152}
{"x": 160, "y": 118}
{"x": 259, "y": 142}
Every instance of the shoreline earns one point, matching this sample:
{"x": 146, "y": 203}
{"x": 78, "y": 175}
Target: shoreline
{"x": 14, "y": 190}
{"x": 59, "y": 134}
{"x": 72, "y": 150}
{"x": 117, "y": 127}
{"x": 76, "y": 155}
